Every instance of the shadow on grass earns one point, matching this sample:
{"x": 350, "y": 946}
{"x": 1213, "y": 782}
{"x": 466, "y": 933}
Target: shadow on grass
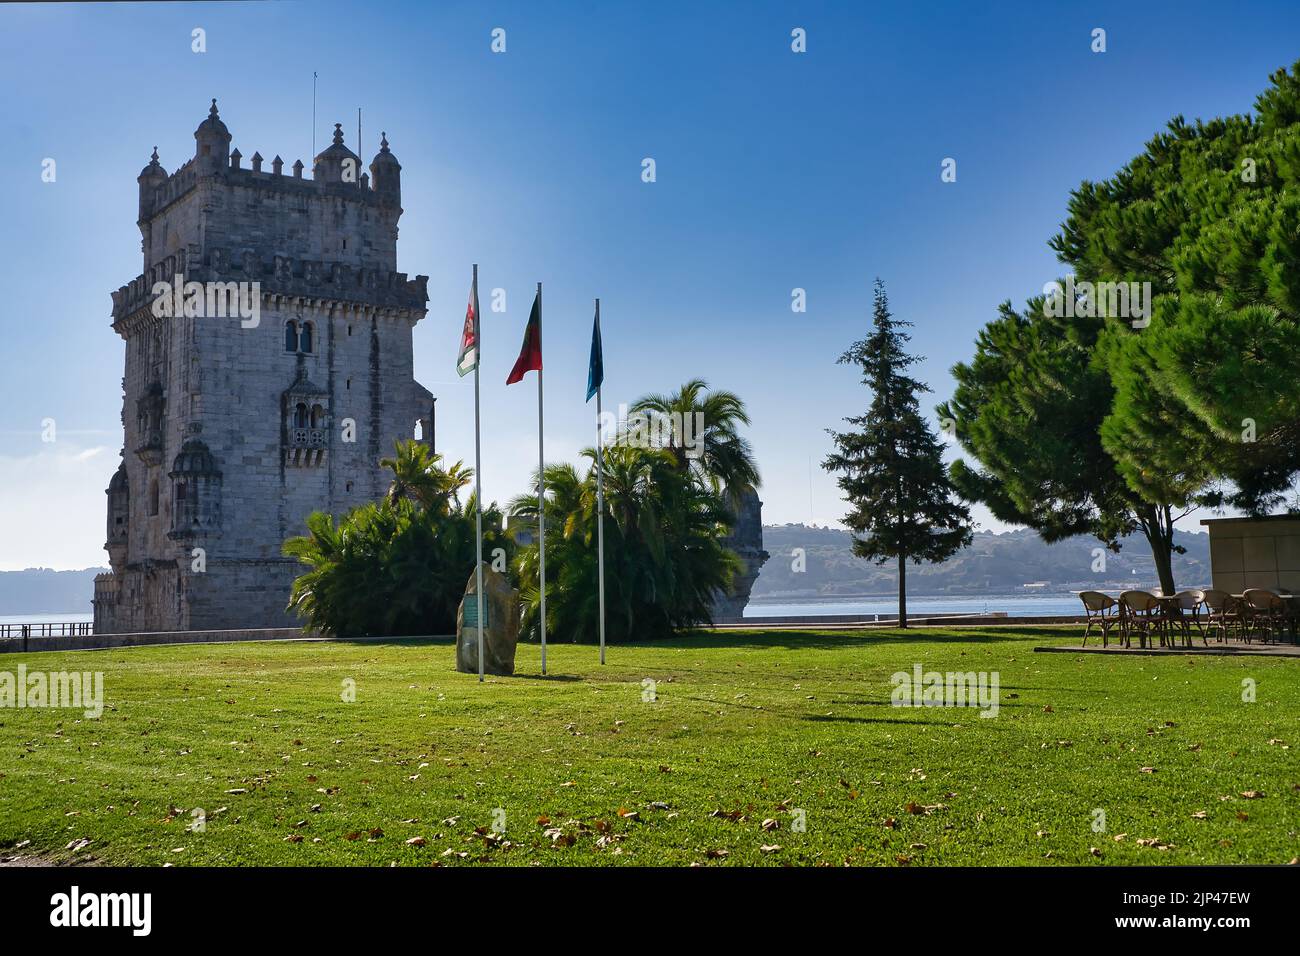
{"x": 832, "y": 719}
{"x": 830, "y": 638}
{"x": 550, "y": 678}
{"x": 402, "y": 640}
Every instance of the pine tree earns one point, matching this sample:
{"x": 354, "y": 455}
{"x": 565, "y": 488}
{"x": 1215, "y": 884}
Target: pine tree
{"x": 891, "y": 465}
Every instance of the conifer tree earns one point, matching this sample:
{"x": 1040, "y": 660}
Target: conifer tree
{"x": 902, "y": 505}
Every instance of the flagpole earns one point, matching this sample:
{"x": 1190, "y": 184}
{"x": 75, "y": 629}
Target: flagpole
{"x": 600, "y": 507}
{"x": 478, "y": 476}
{"x": 541, "y": 486}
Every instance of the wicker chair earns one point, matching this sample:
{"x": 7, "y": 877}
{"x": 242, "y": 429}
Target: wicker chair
{"x": 1101, "y": 610}
{"x": 1185, "y": 612}
{"x": 1223, "y": 613}
{"x": 1291, "y": 613}
{"x": 1265, "y": 612}
{"x": 1141, "y": 614}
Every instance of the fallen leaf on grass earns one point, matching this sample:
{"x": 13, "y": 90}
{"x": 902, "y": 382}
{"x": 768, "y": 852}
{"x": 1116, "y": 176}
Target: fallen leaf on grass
{"x": 1155, "y": 843}
{"x": 769, "y": 848}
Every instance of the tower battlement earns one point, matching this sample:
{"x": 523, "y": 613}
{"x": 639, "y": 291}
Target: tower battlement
{"x": 276, "y": 276}
{"x": 342, "y": 213}
{"x": 158, "y": 192}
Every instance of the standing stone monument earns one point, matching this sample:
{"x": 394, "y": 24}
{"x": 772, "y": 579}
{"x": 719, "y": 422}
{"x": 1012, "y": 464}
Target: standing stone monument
{"x": 500, "y": 625}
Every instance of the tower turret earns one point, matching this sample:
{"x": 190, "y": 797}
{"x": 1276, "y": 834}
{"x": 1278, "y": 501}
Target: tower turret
{"x": 212, "y": 143}
{"x": 336, "y": 163}
{"x": 150, "y": 178}
{"x": 386, "y": 174}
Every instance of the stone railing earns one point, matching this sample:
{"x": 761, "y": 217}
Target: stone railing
{"x": 308, "y": 438}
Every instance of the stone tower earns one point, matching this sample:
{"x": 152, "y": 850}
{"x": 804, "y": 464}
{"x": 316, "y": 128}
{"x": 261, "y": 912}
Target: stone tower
{"x": 746, "y": 539}
{"x": 268, "y": 369}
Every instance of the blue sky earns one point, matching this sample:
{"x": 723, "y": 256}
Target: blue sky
{"x": 775, "y": 170}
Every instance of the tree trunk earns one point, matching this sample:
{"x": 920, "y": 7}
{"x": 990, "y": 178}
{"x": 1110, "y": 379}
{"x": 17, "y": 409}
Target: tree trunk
{"x": 902, "y": 591}
{"x": 1157, "y": 525}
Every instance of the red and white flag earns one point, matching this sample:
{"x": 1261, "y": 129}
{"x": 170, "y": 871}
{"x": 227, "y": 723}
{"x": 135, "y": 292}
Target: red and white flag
{"x": 467, "y": 360}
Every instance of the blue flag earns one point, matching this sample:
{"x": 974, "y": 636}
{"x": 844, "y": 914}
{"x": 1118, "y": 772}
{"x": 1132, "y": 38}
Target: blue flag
{"x": 596, "y": 366}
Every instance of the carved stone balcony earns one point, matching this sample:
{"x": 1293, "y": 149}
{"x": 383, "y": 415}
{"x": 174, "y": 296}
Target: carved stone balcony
{"x": 306, "y": 447}
{"x": 150, "y": 449}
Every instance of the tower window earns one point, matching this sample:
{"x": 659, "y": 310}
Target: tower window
{"x": 291, "y": 336}
{"x": 300, "y": 416}
{"x": 305, "y": 337}
{"x": 153, "y": 496}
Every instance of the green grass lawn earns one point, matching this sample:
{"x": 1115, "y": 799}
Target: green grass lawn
{"x": 747, "y": 727}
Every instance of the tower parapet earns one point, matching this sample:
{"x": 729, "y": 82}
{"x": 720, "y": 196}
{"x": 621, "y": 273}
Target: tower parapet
{"x": 336, "y": 172}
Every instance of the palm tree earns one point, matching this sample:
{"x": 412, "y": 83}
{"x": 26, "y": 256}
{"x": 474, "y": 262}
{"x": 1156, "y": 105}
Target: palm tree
{"x": 418, "y": 475}
{"x": 664, "y": 556}
{"x": 720, "y": 456}
{"x": 399, "y": 565}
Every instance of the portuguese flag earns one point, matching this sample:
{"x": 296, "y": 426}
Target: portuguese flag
{"x": 530, "y": 354}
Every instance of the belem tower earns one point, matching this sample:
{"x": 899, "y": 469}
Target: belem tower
{"x": 240, "y": 422}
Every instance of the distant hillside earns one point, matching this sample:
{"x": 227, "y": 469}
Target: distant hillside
{"x": 993, "y": 564}
{"x": 45, "y": 591}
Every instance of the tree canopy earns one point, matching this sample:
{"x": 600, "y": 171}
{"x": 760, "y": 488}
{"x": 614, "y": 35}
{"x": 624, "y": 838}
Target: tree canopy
{"x": 1104, "y": 420}
{"x": 1207, "y": 397}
